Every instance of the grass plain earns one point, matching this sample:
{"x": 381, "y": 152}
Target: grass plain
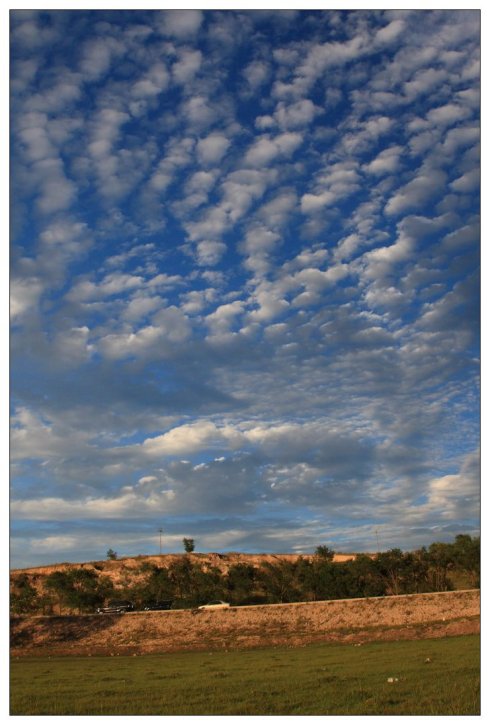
{"x": 430, "y": 677}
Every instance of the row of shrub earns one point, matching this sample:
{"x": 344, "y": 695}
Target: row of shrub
{"x": 440, "y": 567}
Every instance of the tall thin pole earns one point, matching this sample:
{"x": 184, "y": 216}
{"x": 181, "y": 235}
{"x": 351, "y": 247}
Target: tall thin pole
{"x": 160, "y": 530}
{"x": 377, "y": 540}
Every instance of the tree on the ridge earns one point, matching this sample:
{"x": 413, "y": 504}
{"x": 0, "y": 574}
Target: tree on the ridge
{"x": 323, "y": 552}
{"x": 188, "y": 545}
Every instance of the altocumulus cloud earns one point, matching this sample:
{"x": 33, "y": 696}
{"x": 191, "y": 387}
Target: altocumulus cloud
{"x": 244, "y": 279}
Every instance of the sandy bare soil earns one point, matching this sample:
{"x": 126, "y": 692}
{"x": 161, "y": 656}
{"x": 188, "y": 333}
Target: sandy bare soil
{"x": 413, "y": 616}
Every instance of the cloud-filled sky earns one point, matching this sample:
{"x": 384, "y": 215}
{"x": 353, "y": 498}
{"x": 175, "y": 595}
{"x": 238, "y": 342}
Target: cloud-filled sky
{"x": 244, "y": 280}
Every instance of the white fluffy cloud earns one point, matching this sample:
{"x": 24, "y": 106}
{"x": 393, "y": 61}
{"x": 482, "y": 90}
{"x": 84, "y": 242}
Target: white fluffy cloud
{"x": 210, "y": 150}
{"x": 181, "y": 24}
{"x": 256, "y": 73}
{"x": 97, "y": 56}
{"x": 24, "y": 295}
{"x": 387, "y": 162}
{"x": 169, "y": 326}
{"x": 190, "y": 438}
{"x": 333, "y": 184}
{"x": 296, "y": 115}
{"x": 417, "y": 192}
{"x": 209, "y": 252}
{"x": 267, "y": 149}
{"x": 448, "y": 115}
{"x": 187, "y": 66}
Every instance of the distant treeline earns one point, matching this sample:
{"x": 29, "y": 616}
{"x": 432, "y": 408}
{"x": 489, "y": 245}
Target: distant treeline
{"x": 440, "y": 567}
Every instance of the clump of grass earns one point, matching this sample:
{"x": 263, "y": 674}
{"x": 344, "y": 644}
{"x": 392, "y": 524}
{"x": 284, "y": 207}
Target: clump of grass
{"x": 314, "y": 680}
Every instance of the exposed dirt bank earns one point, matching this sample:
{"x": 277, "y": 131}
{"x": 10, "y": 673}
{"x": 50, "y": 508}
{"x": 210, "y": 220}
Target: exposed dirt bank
{"x": 119, "y": 569}
{"x": 413, "y": 616}
{"x": 130, "y": 571}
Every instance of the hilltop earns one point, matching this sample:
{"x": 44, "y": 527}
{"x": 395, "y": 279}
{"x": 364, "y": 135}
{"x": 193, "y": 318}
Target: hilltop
{"x": 119, "y": 569}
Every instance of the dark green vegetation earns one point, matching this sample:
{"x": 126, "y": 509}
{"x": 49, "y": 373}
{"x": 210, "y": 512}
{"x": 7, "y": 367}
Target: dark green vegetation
{"x": 189, "y": 545}
{"x": 434, "y": 677}
{"x": 440, "y": 567}
{"x": 78, "y": 589}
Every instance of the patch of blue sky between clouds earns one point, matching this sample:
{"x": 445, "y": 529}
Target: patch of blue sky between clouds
{"x": 244, "y": 280}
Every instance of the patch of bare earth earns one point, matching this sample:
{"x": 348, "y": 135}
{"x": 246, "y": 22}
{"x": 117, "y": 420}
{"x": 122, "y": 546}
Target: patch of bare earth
{"x": 415, "y": 616}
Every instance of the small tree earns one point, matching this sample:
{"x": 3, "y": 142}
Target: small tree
{"x": 111, "y": 554}
{"x": 188, "y": 545}
{"x": 440, "y": 559}
{"x": 279, "y": 581}
{"x": 24, "y": 597}
{"x": 157, "y": 586}
{"x": 396, "y": 569}
{"x": 59, "y": 583}
{"x": 323, "y": 552}
{"x": 466, "y": 555}
{"x": 240, "y": 584}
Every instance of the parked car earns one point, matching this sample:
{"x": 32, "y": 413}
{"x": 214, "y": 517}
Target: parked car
{"x": 153, "y": 606}
{"x": 116, "y": 606}
{"x": 217, "y": 604}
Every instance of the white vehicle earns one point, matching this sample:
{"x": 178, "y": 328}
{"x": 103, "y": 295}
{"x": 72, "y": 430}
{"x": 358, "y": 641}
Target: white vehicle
{"x": 217, "y": 604}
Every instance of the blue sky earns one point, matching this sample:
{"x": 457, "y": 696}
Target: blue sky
{"x": 244, "y": 280}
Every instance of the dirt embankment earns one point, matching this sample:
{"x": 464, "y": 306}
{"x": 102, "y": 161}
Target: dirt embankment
{"x": 412, "y": 616}
{"x": 130, "y": 570}
{"x": 210, "y": 560}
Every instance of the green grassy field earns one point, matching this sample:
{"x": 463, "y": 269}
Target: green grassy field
{"x": 313, "y": 680}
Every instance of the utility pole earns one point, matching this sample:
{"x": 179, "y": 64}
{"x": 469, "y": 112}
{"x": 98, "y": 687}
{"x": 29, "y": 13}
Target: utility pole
{"x": 377, "y": 540}
{"x": 160, "y": 531}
